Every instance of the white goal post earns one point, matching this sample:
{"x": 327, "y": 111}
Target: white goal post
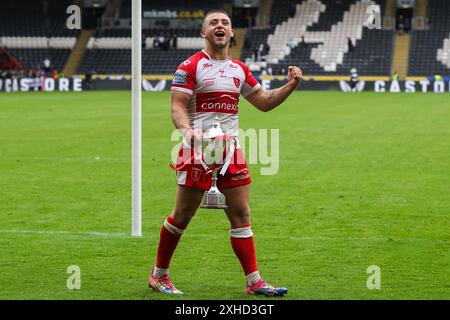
{"x": 136, "y": 122}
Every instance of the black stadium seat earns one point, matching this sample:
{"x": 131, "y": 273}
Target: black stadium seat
{"x": 425, "y": 43}
{"x": 118, "y": 61}
{"x": 31, "y": 58}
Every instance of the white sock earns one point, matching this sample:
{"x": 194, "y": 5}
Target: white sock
{"x": 159, "y": 272}
{"x": 253, "y": 278}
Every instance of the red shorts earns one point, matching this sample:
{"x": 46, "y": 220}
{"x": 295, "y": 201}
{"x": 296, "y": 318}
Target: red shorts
{"x": 192, "y": 173}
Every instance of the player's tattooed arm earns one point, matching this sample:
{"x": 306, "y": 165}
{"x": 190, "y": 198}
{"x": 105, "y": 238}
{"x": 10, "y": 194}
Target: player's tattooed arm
{"x": 268, "y": 100}
{"x": 276, "y": 96}
{"x": 180, "y": 118}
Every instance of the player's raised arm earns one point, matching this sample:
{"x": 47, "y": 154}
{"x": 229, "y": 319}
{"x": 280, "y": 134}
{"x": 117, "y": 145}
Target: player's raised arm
{"x": 268, "y": 100}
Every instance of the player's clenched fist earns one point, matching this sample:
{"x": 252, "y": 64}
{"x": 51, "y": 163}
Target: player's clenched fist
{"x": 295, "y": 74}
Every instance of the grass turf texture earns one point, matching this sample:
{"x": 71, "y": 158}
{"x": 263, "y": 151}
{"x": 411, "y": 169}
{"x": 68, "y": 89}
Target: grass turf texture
{"x": 364, "y": 180}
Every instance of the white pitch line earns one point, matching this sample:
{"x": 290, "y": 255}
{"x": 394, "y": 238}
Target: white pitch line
{"x": 72, "y": 158}
{"x": 212, "y": 236}
{"x": 62, "y": 232}
{"x": 69, "y": 158}
{"x": 93, "y": 233}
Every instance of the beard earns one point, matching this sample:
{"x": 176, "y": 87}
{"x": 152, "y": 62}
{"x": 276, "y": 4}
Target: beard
{"x": 221, "y": 45}
{"x": 216, "y": 44}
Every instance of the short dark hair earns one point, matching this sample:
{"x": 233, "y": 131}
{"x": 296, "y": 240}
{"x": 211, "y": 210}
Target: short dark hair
{"x": 225, "y": 12}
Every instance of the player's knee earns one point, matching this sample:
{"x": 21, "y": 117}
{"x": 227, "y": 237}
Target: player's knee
{"x": 183, "y": 214}
{"x": 240, "y": 216}
{"x": 242, "y": 211}
{"x": 181, "y": 219}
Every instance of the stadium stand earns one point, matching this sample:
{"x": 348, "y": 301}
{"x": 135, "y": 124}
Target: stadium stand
{"x": 109, "y": 51}
{"x": 300, "y": 39}
{"x": 119, "y": 38}
{"x": 296, "y": 35}
{"x": 162, "y": 5}
{"x": 367, "y": 58}
{"x": 118, "y": 61}
{"x": 33, "y": 58}
{"x": 434, "y": 40}
{"x": 443, "y": 54}
{"x": 255, "y": 38}
{"x": 126, "y": 33}
{"x": 22, "y": 18}
{"x": 32, "y": 32}
{"x": 115, "y": 45}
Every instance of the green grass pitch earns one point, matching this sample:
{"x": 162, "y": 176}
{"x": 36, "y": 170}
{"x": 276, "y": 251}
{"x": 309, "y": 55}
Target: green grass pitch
{"x": 364, "y": 180}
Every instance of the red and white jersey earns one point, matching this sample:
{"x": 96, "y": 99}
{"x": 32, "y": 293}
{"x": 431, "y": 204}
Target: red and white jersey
{"x": 215, "y": 86}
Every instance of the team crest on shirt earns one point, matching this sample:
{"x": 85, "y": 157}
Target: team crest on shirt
{"x": 237, "y": 82}
{"x": 195, "y": 174}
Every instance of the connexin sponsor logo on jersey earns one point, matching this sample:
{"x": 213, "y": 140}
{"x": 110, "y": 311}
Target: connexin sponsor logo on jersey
{"x": 226, "y": 102}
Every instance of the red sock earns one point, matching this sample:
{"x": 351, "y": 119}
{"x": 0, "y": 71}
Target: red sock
{"x": 244, "y": 248}
{"x": 168, "y": 240}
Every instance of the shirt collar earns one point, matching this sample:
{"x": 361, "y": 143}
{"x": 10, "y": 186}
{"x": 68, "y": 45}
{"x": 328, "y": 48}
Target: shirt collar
{"x": 209, "y": 57}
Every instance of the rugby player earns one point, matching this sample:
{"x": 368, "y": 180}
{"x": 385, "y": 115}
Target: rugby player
{"x": 205, "y": 86}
